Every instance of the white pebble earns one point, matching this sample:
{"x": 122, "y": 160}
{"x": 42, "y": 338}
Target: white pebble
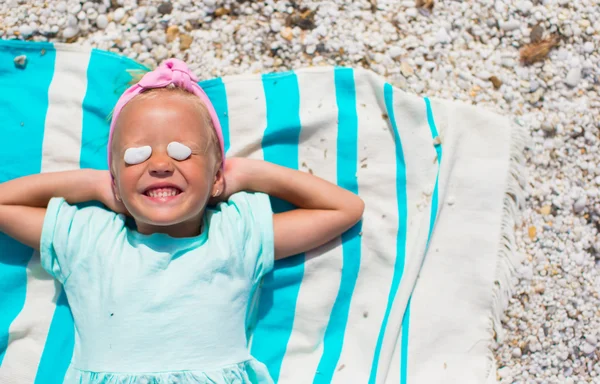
{"x": 505, "y": 372}
{"x": 140, "y": 14}
{"x": 69, "y": 32}
{"x": 25, "y": 30}
{"x": 275, "y": 25}
{"x": 61, "y": 7}
{"x": 118, "y": 14}
{"x": 395, "y": 51}
{"x": 160, "y": 53}
{"x": 75, "y": 8}
{"x": 580, "y": 204}
{"x": 588, "y": 47}
{"x": 516, "y": 352}
{"x": 81, "y": 15}
{"x": 72, "y": 21}
{"x": 101, "y": 21}
{"x": 509, "y": 25}
{"x": 587, "y": 348}
{"x": 442, "y": 36}
{"x": 92, "y": 14}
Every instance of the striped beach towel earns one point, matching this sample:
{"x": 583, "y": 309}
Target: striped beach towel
{"x": 411, "y": 294}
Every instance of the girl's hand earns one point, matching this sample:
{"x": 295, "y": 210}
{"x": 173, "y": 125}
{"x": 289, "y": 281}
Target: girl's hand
{"x": 235, "y": 175}
{"x": 106, "y": 195}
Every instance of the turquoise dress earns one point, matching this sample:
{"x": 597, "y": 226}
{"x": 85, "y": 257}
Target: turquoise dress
{"x": 157, "y": 309}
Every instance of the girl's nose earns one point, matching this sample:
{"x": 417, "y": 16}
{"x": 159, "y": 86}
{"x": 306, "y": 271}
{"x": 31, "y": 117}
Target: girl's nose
{"x": 160, "y": 165}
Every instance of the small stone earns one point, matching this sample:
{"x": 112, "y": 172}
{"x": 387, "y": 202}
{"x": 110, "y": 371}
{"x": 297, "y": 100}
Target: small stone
{"x": 442, "y": 36}
{"x": 287, "y": 34}
{"x": 72, "y": 21}
{"x": 395, "y": 51}
{"x": 524, "y": 6}
{"x": 275, "y": 26}
{"x": 92, "y": 14}
{"x": 546, "y": 209}
{"x": 509, "y": 25}
{"x": 20, "y": 61}
{"x": 165, "y": 8}
{"x": 221, "y": 11}
{"x": 573, "y": 77}
{"x": 591, "y": 340}
{"x": 504, "y": 372}
{"x": 101, "y": 21}
{"x": 539, "y": 288}
{"x": 484, "y": 75}
{"x": 25, "y": 30}
{"x": 588, "y": 47}
{"x": 406, "y": 69}
{"x": 587, "y": 348}
{"x": 496, "y": 82}
{"x": 70, "y": 32}
{"x": 75, "y": 9}
{"x": 185, "y": 41}
{"x": 516, "y": 352}
{"x": 140, "y": 14}
{"x": 537, "y": 34}
{"x": 418, "y": 87}
{"x": 532, "y": 231}
{"x": 580, "y": 204}
{"x": 548, "y": 128}
{"x": 172, "y": 33}
{"x": 118, "y": 14}
{"x": 81, "y": 16}
{"x": 535, "y": 96}
{"x": 160, "y": 53}
{"x": 61, "y": 7}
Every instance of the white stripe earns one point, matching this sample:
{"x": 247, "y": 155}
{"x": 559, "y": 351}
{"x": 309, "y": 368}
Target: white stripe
{"x": 61, "y": 149}
{"x": 247, "y": 111}
{"x": 376, "y": 187}
{"x": 62, "y": 133}
{"x": 421, "y": 168}
{"x": 393, "y": 374}
{"x": 322, "y": 268}
{"x": 247, "y": 115}
{"x": 28, "y": 332}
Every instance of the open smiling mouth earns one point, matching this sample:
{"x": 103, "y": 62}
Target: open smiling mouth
{"x": 163, "y": 195}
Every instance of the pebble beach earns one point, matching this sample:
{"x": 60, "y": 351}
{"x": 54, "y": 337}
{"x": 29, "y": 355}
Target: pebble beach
{"x": 535, "y": 60}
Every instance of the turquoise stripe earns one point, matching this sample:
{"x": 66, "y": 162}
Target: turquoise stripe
{"x": 404, "y": 344}
{"x": 107, "y": 78}
{"x": 432, "y": 219}
{"x": 215, "y": 90}
{"x": 347, "y": 164}
{"x": 59, "y": 345}
{"x": 277, "y": 305}
{"x": 402, "y": 227}
{"x": 24, "y": 101}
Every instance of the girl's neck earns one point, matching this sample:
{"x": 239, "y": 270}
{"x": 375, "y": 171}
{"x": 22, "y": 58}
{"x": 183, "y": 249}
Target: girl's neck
{"x": 190, "y": 228}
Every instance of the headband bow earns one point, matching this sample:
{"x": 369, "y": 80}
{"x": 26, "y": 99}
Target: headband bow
{"x": 172, "y": 71}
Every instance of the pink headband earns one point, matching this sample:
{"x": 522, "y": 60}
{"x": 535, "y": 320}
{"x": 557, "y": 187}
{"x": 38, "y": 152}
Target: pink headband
{"x": 172, "y": 71}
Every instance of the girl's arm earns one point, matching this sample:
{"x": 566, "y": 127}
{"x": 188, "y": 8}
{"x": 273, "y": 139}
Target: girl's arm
{"x": 23, "y": 201}
{"x": 324, "y": 212}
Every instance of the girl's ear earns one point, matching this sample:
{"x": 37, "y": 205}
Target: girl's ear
{"x": 115, "y": 189}
{"x": 219, "y": 184}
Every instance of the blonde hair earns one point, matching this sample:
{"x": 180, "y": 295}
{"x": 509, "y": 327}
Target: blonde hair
{"x": 136, "y": 76}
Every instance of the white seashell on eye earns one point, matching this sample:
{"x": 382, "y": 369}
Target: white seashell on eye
{"x": 137, "y": 155}
{"x": 178, "y": 151}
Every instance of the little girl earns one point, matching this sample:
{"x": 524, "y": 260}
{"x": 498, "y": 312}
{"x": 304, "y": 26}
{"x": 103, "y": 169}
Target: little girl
{"x": 165, "y": 300}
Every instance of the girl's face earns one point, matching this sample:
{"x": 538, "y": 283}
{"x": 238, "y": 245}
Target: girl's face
{"x": 163, "y": 194}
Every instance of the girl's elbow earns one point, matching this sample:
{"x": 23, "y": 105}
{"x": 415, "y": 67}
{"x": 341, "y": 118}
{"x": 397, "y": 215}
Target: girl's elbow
{"x": 357, "y": 209}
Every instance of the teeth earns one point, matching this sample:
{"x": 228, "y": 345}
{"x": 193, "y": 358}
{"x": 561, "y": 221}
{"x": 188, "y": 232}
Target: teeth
{"x": 163, "y": 192}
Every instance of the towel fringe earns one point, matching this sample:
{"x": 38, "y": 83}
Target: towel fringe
{"x": 508, "y": 258}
